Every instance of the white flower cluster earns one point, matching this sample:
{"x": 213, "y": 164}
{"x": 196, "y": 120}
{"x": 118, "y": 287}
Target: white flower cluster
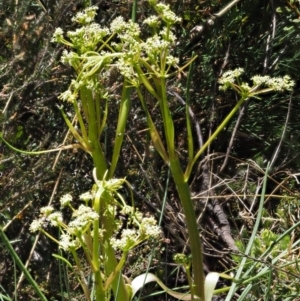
{"x": 82, "y": 219}
{"x": 166, "y": 14}
{"x": 55, "y": 219}
{"x": 65, "y": 200}
{"x": 87, "y": 37}
{"x": 124, "y": 29}
{"x": 82, "y": 39}
{"x": 152, "y": 21}
{"x": 87, "y": 16}
{"x": 125, "y": 52}
{"x": 275, "y": 83}
{"x": 229, "y": 77}
{"x": 37, "y": 225}
{"x": 126, "y": 69}
{"x": 68, "y": 96}
{"x": 58, "y": 35}
{"x": 149, "y": 228}
{"x": 130, "y": 238}
{"x": 67, "y": 242}
{"x": 84, "y": 216}
{"x": 87, "y": 196}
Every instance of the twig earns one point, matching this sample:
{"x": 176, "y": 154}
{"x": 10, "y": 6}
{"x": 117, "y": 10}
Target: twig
{"x": 270, "y": 39}
{"x": 64, "y": 141}
{"x": 198, "y": 30}
{"x": 8, "y": 102}
{"x": 238, "y": 122}
{"x": 276, "y": 153}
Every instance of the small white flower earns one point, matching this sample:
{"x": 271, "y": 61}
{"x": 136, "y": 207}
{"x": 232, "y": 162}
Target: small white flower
{"x": 36, "y": 225}
{"x": 87, "y": 196}
{"x": 152, "y": 21}
{"x": 281, "y": 83}
{"x": 46, "y": 210}
{"x": 166, "y": 14}
{"x": 118, "y": 25}
{"x": 229, "y": 77}
{"x": 68, "y": 57}
{"x": 84, "y": 215}
{"x": 245, "y": 87}
{"x": 58, "y": 35}
{"x": 149, "y": 228}
{"x": 87, "y": 16}
{"x": 275, "y": 83}
{"x": 55, "y": 218}
{"x": 259, "y": 80}
{"x": 65, "y": 200}
{"x": 67, "y": 243}
{"x": 128, "y": 239}
{"x": 125, "y": 30}
{"x": 172, "y": 61}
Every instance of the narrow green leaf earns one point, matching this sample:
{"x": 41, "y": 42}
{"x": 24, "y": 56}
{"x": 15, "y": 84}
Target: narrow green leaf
{"x": 21, "y": 266}
{"x": 63, "y": 259}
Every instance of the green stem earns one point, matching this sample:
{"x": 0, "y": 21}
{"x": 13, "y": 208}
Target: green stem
{"x": 122, "y": 120}
{"x": 100, "y": 292}
{"x": 80, "y": 120}
{"x": 111, "y": 263}
{"x": 167, "y": 119}
{"x": 212, "y": 137}
{"x": 182, "y": 186}
{"x": 96, "y": 150}
{"x": 191, "y": 221}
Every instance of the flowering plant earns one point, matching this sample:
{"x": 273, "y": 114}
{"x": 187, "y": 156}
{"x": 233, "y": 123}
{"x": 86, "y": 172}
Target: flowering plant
{"x": 145, "y": 64}
{"x": 88, "y": 232}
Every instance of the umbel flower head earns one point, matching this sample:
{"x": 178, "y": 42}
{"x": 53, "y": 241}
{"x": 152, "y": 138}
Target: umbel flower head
{"x": 130, "y": 238}
{"x": 261, "y": 84}
{"x": 82, "y": 221}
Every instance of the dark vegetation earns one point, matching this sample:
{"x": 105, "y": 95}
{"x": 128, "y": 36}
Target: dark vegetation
{"x": 260, "y": 36}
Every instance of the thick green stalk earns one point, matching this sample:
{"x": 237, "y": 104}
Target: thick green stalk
{"x": 107, "y": 224}
{"x": 118, "y": 284}
{"x": 99, "y": 290}
{"x": 122, "y": 120}
{"x": 183, "y": 190}
{"x": 111, "y": 263}
{"x": 191, "y": 221}
{"x": 96, "y": 150}
{"x": 167, "y": 119}
{"x": 157, "y": 142}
